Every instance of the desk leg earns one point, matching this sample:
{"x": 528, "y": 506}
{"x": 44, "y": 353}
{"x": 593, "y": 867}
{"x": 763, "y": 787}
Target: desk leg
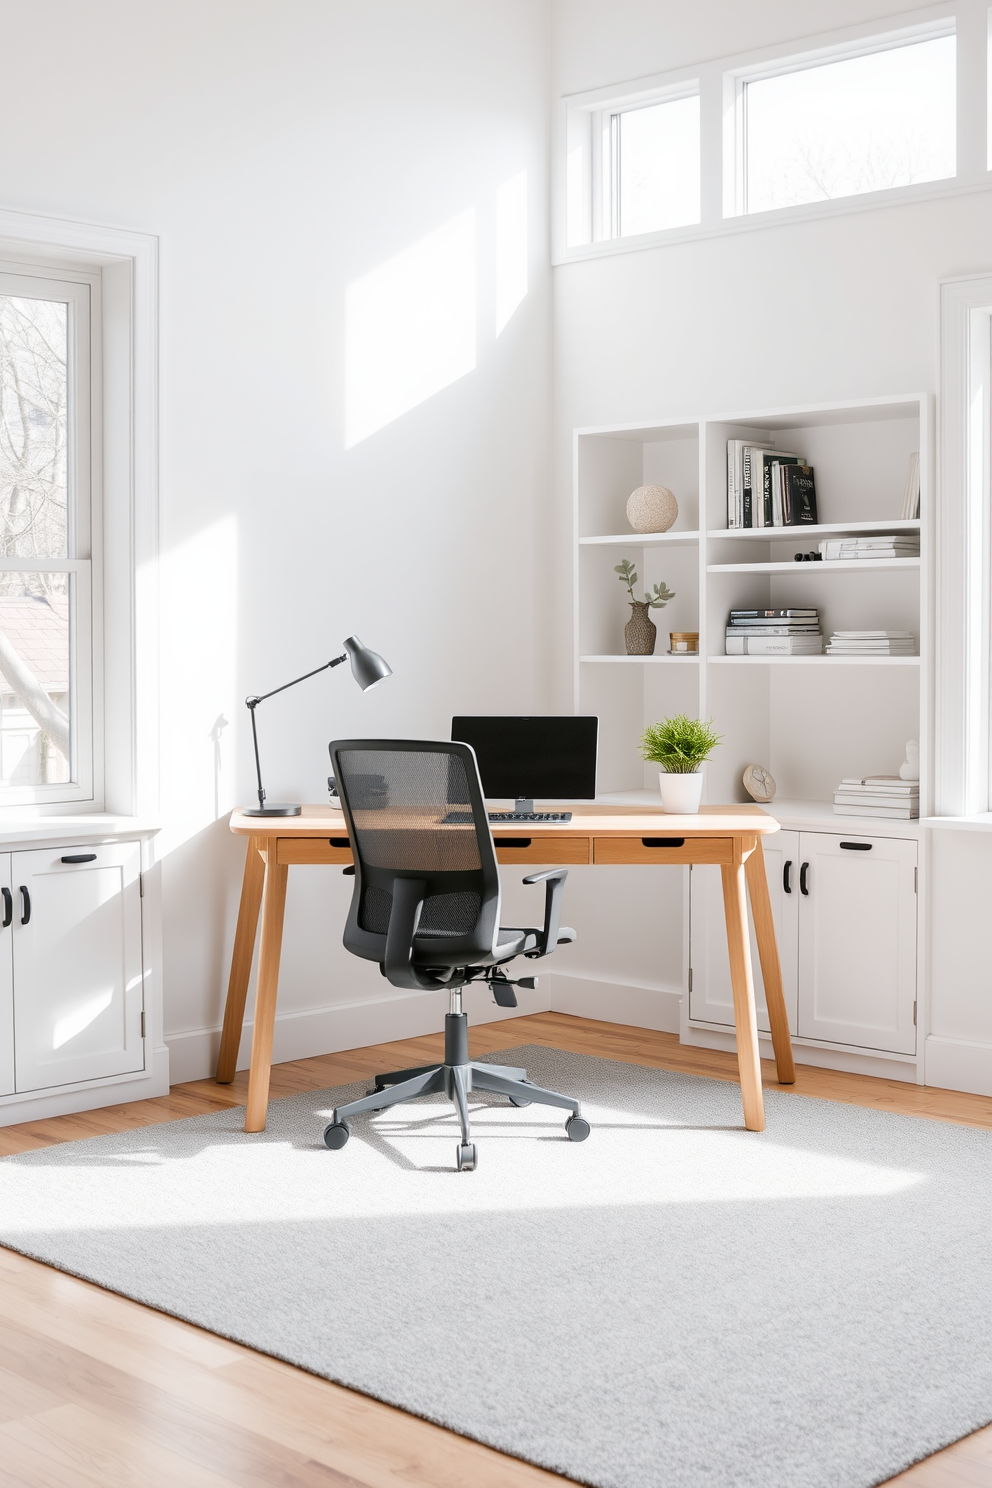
{"x": 771, "y": 970}
{"x": 244, "y": 947}
{"x": 273, "y": 909}
{"x": 735, "y": 909}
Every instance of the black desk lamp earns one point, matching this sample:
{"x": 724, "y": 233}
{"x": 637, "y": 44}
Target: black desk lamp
{"x": 368, "y": 669}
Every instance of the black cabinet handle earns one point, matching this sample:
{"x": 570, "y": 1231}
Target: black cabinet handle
{"x": 662, "y": 841}
{"x": 857, "y": 846}
{"x": 25, "y": 904}
{"x": 8, "y": 907}
{"x": 79, "y": 858}
{"x": 787, "y": 876}
{"x": 334, "y": 841}
{"x": 802, "y": 879}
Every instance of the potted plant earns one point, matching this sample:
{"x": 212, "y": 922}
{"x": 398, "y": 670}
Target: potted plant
{"x": 640, "y": 632}
{"x": 680, "y": 745}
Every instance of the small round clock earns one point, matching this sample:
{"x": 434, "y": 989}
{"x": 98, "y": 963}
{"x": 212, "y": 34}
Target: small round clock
{"x": 758, "y": 783}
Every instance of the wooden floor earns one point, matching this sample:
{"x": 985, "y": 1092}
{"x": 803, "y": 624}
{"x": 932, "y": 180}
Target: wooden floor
{"x": 96, "y": 1390}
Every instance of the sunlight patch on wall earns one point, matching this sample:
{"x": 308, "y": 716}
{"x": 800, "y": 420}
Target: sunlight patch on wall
{"x": 199, "y": 654}
{"x": 410, "y": 328}
{"x": 511, "y": 247}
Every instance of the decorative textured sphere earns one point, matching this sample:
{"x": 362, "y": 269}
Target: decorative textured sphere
{"x": 652, "y": 509}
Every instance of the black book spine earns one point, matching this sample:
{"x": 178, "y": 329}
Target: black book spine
{"x": 798, "y": 482}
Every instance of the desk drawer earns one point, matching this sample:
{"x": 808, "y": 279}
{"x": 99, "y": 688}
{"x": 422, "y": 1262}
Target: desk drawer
{"x": 550, "y": 850}
{"x": 662, "y": 849}
{"x": 314, "y": 850}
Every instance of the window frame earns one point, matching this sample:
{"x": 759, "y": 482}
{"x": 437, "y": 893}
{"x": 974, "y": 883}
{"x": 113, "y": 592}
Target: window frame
{"x": 719, "y": 83}
{"x": 80, "y": 290}
{"x": 125, "y": 520}
{"x": 590, "y": 129}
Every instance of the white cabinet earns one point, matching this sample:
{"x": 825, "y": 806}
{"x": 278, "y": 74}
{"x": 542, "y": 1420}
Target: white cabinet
{"x": 857, "y": 941}
{"x": 710, "y": 996}
{"x": 845, "y": 918}
{"x": 70, "y": 966}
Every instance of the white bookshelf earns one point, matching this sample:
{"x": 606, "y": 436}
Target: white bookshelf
{"x": 810, "y": 719}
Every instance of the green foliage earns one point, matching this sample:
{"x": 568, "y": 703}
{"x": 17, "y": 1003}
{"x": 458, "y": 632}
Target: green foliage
{"x": 680, "y": 744}
{"x": 660, "y": 593}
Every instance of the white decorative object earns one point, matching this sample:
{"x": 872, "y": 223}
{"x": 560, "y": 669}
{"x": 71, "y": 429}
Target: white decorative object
{"x": 759, "y": 783}
{"x": 681, "y": 794}
{"x": 910, "y": 767}
{"x": 652, "y": 509}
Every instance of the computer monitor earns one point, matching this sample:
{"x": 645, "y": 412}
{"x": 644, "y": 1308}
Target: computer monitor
{"x": 551, "y": 757}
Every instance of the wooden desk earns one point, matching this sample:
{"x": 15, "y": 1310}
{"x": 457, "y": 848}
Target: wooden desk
{"x": 726, "y": 835}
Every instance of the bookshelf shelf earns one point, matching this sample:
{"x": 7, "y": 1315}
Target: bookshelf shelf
{"x": 829, "y": 662}
{"x": 837, "y": 565}
{"x": 820, "y": 529}
{"x": 638, "y": 539}
{"x": 643, "y": 660}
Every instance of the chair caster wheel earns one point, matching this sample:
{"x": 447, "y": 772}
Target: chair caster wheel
{"x": 336, "y": 1135}
{"x": 577, "y": 1128}
{"x": 466, "y": 1157}
{"x": 376, "y": 1090}
{"x": 516, "y": 1101}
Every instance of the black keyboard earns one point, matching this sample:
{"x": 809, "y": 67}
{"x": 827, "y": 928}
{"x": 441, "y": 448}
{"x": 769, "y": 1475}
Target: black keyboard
{"x": 464, "y": 818}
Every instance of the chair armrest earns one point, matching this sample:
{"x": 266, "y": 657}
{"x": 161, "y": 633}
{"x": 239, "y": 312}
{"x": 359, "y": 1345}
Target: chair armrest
{"x": 404, "y": 917}
{"x": 555, "y": 880}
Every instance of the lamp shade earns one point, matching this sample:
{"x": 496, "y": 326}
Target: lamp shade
{"x": 367, "y": 667}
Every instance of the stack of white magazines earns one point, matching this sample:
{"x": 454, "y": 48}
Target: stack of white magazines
{"x": 774, "y": 633}
{"x": 905, "y": 545}
{"x": 872, "y": 643}
{"x": 878, "y": 795}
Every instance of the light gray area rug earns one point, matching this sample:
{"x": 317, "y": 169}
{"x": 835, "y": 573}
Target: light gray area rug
{"x": 675, "y": 1303}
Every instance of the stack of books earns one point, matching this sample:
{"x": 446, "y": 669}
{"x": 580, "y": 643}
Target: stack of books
{"x": 768, "y": 487}
{"x": 878, "y": 795}
{"x": 872, "y": 643}
{"x": 905, "y": 545}
{"x": 774, "y": 633}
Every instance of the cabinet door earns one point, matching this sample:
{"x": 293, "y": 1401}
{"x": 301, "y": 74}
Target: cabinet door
{"x": 6, "y": 981}
{"x": 857, "y": 941}
{"x": 77, "y": 964}
{"x": 711, "y": 999}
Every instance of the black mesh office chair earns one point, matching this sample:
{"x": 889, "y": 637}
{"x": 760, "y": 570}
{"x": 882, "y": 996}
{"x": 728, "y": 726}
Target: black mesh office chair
{"x": 426, "y": 907}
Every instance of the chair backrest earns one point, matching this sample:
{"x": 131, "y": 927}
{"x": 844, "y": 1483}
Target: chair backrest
{"x": 415, "y": 809}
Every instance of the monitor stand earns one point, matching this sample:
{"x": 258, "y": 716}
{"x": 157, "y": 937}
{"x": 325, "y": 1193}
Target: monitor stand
{"x": 525, "y": 804}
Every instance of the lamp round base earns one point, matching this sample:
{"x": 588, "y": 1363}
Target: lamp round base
{"x": 276, "y": 809}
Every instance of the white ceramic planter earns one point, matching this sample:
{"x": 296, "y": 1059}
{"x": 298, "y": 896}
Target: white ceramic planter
{"x": 681, "y": 794}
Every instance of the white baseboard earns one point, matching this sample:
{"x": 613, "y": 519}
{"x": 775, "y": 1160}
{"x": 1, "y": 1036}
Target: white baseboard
{"x": 349, "y": 1025}
{"x": 954, "y": 1064}
{"x": 852, "y": 1063}
{"x": 615, "y": 1002}
{"x": 400, "y": 1015}
{"x": 142, "y": 1085}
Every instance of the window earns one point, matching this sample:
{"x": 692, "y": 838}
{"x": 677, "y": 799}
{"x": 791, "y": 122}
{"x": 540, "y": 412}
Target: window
{"x": 46, "y": 683}
{"x": 655, "y": 167}
{"x": 632, "y": 164}
{"x": 840, "y": 128}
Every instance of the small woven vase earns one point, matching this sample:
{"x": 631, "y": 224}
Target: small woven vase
{"x": 640, "y": 632}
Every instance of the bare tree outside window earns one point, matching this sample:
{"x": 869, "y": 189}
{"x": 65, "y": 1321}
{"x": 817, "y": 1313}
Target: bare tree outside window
{"x": 34, "y": 605}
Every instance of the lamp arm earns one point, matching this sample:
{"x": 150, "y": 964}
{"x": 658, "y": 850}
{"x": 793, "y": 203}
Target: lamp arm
{"x": 251, "y": 703}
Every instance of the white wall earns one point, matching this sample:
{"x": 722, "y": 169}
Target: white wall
{"x": 282, "y": 152}
{"x": 834, "y": 308}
